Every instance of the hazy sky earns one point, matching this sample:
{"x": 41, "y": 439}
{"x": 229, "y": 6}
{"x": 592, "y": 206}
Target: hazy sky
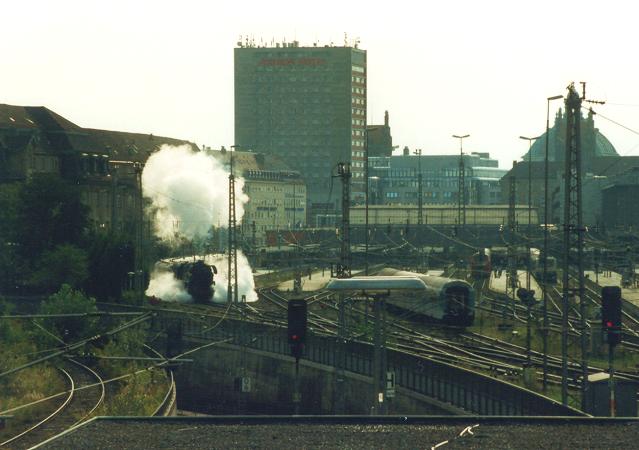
{"x": 440, "y": 67}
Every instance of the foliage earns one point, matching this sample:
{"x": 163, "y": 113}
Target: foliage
{"x": 64, "y": 264}
{"x": 9, "y": 269}
{"x": 50, "y": 213}
{"x": 67, "y": 301}
{"x": 111, "y": 258}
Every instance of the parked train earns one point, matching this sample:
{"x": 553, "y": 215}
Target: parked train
{"x": 480, "y": 264}
{"x": 447, "y": 300}
{"x": 197, "y": 276}
{"x": 537, "y": 266}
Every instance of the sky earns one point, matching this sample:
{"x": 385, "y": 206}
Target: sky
{"x": 483, "y": 68}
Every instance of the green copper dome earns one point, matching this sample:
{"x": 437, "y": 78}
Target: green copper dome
{"x": 594, "y": 144}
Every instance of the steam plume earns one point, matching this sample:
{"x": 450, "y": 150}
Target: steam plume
{"x": 189, "y": 194}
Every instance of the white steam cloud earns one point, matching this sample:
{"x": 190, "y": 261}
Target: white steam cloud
{"x": 165, "y": 286}
{"x": 189, "y": 192}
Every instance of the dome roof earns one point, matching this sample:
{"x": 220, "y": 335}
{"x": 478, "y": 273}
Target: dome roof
{"x": 594, "y": 143}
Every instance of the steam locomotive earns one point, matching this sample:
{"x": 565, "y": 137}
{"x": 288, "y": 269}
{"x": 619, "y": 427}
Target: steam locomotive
{"x": 197, "y": 276}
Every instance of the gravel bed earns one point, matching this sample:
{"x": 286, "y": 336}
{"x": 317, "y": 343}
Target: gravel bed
{"x": 115, "y": 434}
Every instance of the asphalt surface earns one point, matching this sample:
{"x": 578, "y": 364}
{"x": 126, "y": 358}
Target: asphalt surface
{"x": 479, "y": 434}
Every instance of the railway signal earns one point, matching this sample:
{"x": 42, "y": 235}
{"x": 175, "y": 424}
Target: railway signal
{"x": 611, "y": 314}
{"x": 611, "y": 324}
{"x": 297, "y": 319}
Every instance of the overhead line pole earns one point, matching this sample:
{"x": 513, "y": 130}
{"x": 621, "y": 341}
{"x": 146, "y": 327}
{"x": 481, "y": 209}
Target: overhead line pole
{"x": 461, "y": 196}
{"x": 544, "y": 286}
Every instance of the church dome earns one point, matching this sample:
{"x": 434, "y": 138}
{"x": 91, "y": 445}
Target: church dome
{"x": 594, "y": 143}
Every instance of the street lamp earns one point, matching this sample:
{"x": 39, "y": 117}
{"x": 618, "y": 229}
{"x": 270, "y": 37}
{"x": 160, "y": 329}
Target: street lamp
{"x": 528, "y": 319}
{"x": 461, "y": 197}
{"x": 420, "y": 204}
{"x": 366, "y": 200}
{"x": 418, "y": 152}
{"x": 545, "y": 259}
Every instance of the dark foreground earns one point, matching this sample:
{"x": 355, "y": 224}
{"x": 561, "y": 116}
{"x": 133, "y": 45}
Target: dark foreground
{"x": 352, "y": 433}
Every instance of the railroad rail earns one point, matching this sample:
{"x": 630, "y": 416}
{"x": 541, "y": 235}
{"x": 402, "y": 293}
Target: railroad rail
{"x": 85, "y": 394}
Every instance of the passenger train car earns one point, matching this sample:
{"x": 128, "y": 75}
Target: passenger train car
{"x": 447, "y": 300}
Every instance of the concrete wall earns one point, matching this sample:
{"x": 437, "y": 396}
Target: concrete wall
{"x": 207, "y": 386}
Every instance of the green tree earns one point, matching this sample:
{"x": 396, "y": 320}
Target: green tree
{"x": 64, "y": 264}
{"x": 66, "y": 301}
{"x": 110, "y": 259}
{"x": 50, "y": 213}
{"x": 9, "y": 265}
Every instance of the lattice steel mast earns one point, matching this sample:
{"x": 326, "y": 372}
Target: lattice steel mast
{"x": 232, "y": 247}
{"x": 573, "y": 242}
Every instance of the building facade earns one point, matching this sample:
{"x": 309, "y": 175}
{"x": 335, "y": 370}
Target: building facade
{"x": 306, "y": 105}
{"x": 34, "y": 139}
{"x": 601, "y": 165}
{"x": 440, "y": 215}
{"x": 277, "y": 195}
{"x": 394, "y": 179}
{"x": 617, "y": 199}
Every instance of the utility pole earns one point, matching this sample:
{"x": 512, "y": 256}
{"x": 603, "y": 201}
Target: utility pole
{"x": 232, "y": 244}
{"x": 420, "y": 208}
{"x": 344, "y": 267}
{"x": 573, "y": 242}
{"x": 545, "y": 260}
{"x": 461, "y": 196}
{"x": 139, "y": 227}
{"x": 114, "y": 199}
{"x": 343, "y": 270}
{"x": 512, "y": 279}
{"x": 529, "y": 229}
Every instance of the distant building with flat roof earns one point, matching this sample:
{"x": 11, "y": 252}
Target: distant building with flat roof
{"x": 394, "y": 179}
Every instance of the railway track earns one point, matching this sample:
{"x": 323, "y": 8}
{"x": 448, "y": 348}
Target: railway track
{"x": 85, "y": 394}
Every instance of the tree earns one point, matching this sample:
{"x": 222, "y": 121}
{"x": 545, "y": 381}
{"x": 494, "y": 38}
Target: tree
{"x": 110, "y": 260}
{"x": 67, "y": 301}
{"x": 9, "y": 266}
{"x": 64, "y": 264}
{"x": 50, "y": 213}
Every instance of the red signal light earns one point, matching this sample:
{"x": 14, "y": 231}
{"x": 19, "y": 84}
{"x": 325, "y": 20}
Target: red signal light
{"x": 295, "y": 337}
{"x": 609, "y": 324}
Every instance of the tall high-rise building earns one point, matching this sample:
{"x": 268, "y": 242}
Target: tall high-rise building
{"x": 306, "y": 105}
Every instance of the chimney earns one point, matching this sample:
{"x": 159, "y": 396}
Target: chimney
{"x": 406, "y": 150}
{"x": 386, "y": 119}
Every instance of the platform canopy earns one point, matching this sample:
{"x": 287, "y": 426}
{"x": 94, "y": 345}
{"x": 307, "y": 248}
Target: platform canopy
{"x": 376, "y": 283}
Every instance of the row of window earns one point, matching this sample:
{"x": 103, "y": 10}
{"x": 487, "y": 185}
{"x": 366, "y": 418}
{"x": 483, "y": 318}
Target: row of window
{"x": 427, "y": 195}
{"x": 358, "y": 80}
{"x": 358, "y": 122}
{"x": 357, "y": 143}
{"x": 358, "y": 90}
{"x": 359, "y": 111}
{"x": 358, "y": 69}
{"x": 357, "y": 154}
{"x": 358, "y": 101}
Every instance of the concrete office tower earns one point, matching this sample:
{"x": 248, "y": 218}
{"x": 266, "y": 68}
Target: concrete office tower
{"x": 306, "y": 105}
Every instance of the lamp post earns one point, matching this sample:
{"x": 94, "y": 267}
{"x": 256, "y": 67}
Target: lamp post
{"x": 420, "y": 203}
{"x": 530, "y": 141}
{"x": 528, "y": 247}
{"x": 545, "y": 258}
{"x": 461, "y": 196}
{"x": 366, "y": 199}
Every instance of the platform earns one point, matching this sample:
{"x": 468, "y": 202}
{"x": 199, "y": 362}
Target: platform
{"x": 614, "y": 279}
{"x": 498, "y": 283}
